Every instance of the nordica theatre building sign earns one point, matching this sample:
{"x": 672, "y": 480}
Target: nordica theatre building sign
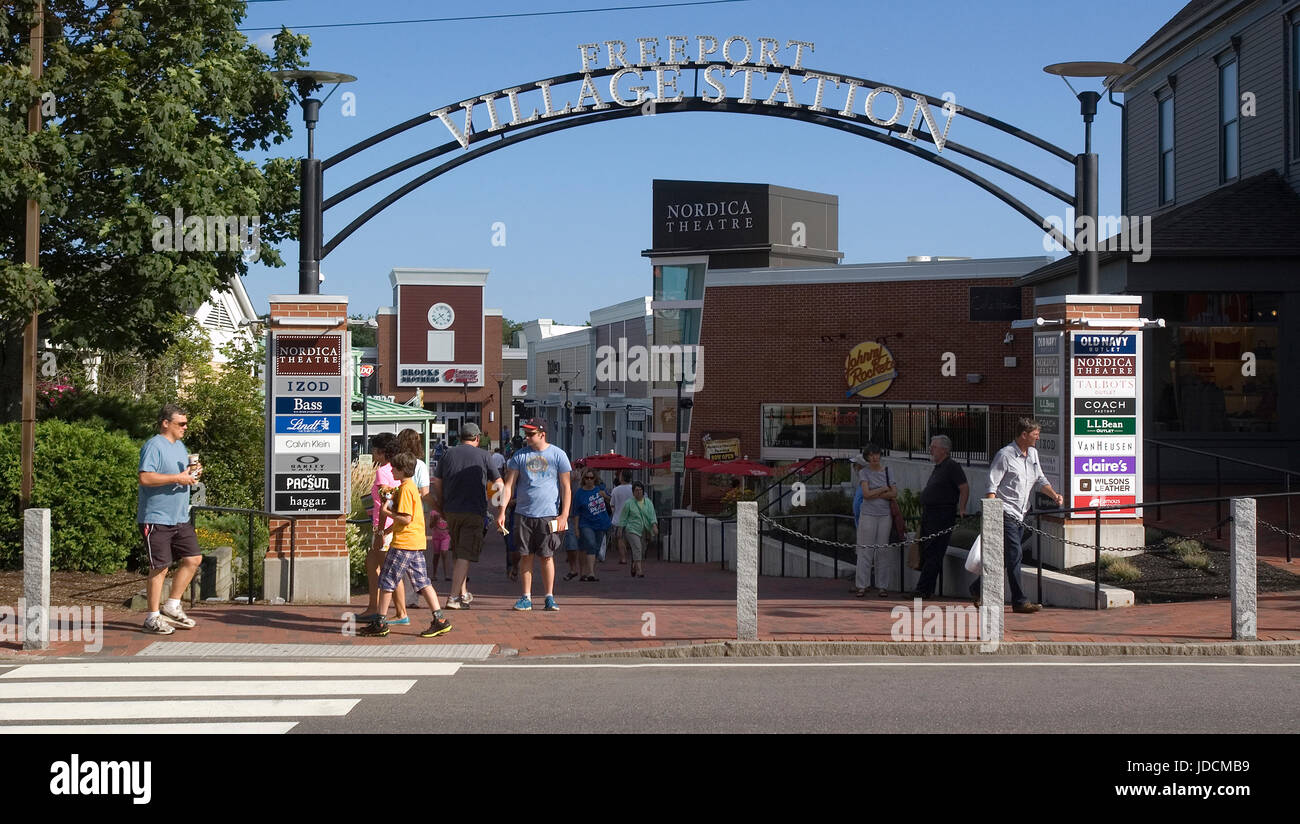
{"x": 649, "y": 73}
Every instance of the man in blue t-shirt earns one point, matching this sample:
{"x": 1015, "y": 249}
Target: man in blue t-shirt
{"x": 163, "y": 512}
{"x": 542, "y": 473}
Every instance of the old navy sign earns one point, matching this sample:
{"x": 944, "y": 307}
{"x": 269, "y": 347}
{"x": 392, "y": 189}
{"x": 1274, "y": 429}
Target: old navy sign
{"x": 1105, "y": 344}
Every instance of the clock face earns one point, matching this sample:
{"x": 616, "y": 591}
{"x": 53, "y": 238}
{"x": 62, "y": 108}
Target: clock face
{"x": 441, "y": 316}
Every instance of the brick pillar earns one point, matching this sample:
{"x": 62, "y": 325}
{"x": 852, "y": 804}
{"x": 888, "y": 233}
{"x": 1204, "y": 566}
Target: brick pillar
{"x": 319, "y": 571}
{"x": 1109, "y": 315}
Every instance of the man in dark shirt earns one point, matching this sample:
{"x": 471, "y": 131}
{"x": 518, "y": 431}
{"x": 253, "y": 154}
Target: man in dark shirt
{"x": 460, "y": 490}
{"x": 942, "y": 501}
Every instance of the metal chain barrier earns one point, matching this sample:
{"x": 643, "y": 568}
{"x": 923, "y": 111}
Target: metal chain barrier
{"x": 1170, "y": 541}
{"x": 814, "y": 539}
{"x": 1278, "y": 529}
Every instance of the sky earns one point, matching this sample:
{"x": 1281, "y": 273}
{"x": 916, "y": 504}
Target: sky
{"x": 560, "y": 221}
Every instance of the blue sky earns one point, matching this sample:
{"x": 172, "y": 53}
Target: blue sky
{"x": 576, "y": 205}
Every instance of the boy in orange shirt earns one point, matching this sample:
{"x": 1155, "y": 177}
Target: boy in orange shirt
{"x": 406, "y": 552}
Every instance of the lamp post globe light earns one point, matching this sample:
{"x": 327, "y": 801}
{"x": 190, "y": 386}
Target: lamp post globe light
{"x": 309, "y": 227}
{"x": 1086, "y": 165}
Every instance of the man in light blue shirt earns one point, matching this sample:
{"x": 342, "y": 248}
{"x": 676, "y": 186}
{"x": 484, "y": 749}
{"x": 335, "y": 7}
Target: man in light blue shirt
{"x": 1014, "y": 474}
{"x": 540, "y": 474}
{"x": 163, "y": 513}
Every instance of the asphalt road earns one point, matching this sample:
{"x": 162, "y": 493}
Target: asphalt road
{"x": 841, "y": 695}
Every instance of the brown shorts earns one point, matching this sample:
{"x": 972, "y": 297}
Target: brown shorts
{"x": 534, "y": 537}
{"x": 466, "y": 535}
{"x": 168, "y": 543}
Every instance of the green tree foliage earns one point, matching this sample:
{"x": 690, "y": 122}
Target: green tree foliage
{"x": 363, "y": 334}
{"x": 227, "y": 427}
{"x": 508, "y": 329}
{"x": 87, "y": 479}
{"x": 152, "y": 103}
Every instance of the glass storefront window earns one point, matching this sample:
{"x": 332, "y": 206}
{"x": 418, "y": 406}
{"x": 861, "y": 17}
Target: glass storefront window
{"x": 672, "y": 328}
{"x": 788, "y": 427}
{"x": 679, "y": 281}
{"x": 1202, "y": 388}
{"x": 837, "y": 428}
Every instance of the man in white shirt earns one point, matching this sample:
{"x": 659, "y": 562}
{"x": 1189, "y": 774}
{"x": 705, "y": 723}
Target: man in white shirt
{"x": 1014, "y": 474}
{"x": 621, "y": 494}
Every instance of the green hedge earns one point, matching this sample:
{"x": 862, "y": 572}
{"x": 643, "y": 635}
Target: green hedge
{"x": 87, "y": 478}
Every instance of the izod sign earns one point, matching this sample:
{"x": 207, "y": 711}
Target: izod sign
{"x": 306, "y": 404}
{"x": 1105, "y": 466}
{"x": 869, "y": 370}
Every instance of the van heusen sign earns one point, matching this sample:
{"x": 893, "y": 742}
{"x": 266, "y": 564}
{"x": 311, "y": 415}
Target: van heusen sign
{"x": 637, "y": 72}
{"x": 305, "y": 406}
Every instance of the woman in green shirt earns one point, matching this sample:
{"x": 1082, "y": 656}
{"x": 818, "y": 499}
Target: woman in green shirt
{"x": 638, "y": 520}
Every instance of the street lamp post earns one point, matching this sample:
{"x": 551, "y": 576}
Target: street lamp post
{"x": 501, "y": 413}
{"x": 1086, "y": 166}
{"x": 309, "y": 234}
{"x": 464, "y": 384}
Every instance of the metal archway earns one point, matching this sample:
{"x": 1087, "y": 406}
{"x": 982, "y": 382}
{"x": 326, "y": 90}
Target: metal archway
{"x": 500, "y": 134}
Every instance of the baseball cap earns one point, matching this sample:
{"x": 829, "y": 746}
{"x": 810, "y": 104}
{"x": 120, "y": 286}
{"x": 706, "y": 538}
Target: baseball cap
{"x": 470, "y": 430}
{"x": 534, "y": 423}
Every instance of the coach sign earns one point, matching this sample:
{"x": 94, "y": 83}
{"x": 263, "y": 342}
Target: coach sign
{"x": 307, "y": 402}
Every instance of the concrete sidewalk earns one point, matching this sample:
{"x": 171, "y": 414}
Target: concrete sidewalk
{"x": 675, "y": 604}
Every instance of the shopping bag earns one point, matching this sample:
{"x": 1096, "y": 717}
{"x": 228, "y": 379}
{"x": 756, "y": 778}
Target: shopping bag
{"x": 975, "y": 561}
{"x": 600, "y": 556}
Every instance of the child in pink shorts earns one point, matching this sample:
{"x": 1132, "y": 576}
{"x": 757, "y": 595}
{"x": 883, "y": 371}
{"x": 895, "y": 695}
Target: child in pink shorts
{"x": 438, "y": 542}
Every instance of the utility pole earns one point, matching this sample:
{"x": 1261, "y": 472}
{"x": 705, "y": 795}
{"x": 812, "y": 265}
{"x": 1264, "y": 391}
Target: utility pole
{"x": 33, "y": 260}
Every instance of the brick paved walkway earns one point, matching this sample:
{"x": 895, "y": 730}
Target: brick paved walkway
{"x": 687, "y": 603}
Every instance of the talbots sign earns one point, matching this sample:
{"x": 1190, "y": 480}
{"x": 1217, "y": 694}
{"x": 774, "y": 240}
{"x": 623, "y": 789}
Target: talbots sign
{"x": 869, "y": 370}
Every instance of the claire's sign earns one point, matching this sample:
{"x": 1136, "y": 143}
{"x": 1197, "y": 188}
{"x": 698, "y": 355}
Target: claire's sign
{"x": 306, "y": 424}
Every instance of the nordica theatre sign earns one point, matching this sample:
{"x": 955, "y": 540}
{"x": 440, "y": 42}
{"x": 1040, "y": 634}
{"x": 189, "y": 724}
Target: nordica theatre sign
{"x": 645, "y": 76}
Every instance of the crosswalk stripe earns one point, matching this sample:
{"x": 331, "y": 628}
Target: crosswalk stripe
{"x": 174, "y": 708}
{"x": 198, "y": 689}
{"x": 226, "y": 669}
{"x": 232, "y": 728}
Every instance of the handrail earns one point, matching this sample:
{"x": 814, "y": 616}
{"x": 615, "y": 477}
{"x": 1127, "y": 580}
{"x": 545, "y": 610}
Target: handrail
{"x": 794, "y": 469}
{"x": 293, "y": 538}
{"x": 1217, "y": 456}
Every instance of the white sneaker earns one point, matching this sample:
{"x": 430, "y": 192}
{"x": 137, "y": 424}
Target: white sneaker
{"x": 469, "y": 598}
{"x": 178, "y": 618}
{"x": 454, "y": 602}
{"x": 157, "y": 626}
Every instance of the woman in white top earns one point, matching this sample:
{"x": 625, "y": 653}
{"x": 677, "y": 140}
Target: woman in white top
{"x": 873, "y": 524}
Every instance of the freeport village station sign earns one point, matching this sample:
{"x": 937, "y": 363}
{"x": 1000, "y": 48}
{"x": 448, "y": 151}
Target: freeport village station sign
{"x": 644, "y": 74}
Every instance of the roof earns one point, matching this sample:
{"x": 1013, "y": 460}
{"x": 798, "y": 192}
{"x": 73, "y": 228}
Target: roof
{"x": 1201, "y": 14}
{"x": 379, "y": 409}
{"x": 1255, "y": 217}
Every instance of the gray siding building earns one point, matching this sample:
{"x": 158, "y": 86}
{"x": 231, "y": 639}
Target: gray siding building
{"x": 1211, "y": 153}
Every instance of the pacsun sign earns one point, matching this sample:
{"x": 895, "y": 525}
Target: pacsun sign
{"x": 630, "y": 82}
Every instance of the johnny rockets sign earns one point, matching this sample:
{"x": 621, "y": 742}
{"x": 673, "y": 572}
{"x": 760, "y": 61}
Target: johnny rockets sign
{"x": 869, "y": 370}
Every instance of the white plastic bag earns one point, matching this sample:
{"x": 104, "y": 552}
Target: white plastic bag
{"x": 600, "y": 556}
{"x": 975, "y": 561}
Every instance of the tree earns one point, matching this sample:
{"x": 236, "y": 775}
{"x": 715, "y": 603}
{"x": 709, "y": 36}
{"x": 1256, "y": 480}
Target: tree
{"x": 149, "y": 105}
{"x": 363, "y": 334}
{"x": 508, "y": 329}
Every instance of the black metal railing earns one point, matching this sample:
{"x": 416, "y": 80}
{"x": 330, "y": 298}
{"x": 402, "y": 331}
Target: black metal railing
{"x": 1285, "y": 475}
{"x": 293, "y": 538}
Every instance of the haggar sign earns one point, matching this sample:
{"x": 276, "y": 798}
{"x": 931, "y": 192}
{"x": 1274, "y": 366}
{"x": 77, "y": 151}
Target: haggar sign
{"x": 306, "y": 423}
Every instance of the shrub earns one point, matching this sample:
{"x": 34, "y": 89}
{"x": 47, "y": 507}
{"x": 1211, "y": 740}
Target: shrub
{"x": 1119, "y": 569}
{"x": 1191, "y": 554}
{"x": 358, "y": 539}
{"x": 86, "y": 477}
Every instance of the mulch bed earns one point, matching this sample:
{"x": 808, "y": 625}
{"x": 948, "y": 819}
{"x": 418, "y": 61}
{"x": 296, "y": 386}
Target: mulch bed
{"x": 76, "y": 588}
{"x": 1166, "y": 580}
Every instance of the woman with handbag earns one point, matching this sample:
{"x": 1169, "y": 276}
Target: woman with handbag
{"x": 874, "y": 523}
{"x": 639, "y": 522}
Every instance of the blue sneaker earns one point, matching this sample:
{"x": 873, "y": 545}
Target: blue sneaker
{"x": 404, "y": 621}
{"x": 524, "y": 604}
{"x": 550, "y": 604}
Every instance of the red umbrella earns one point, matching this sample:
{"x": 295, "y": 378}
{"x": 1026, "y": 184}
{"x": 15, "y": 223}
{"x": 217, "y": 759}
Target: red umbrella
{"x": 610, "y": 460}
{"x": 739, "y": 466}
